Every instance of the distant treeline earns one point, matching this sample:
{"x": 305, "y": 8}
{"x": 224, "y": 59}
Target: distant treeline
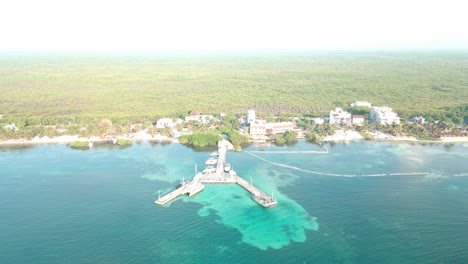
{"x": 51, "y": 88}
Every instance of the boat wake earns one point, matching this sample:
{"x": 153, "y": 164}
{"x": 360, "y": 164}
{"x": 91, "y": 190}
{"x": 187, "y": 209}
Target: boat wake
{"x": 324, "y": 151}
{"x": 335, "y": 174}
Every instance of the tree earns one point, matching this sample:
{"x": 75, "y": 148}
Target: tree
{"x": 201, "y": 138}
{"x": 167, "y": 131}
{"x": 237, "y": 139}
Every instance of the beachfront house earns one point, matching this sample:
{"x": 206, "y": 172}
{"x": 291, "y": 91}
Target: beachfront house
{"x": 339, "y": 116}
{"x": 318, "y": 120}
{"x": 279, "y": 127}
{"x": 196, "y": 116}
{"x": 164, "y": 122}
{"x": 193, "y": 116}
{"x": 261, "y": 129}
{"x": 257, "y": 129}
{"x": 357, "y": 119}
{"x": 384, "y": 115}
{"x": 261, "y": 120}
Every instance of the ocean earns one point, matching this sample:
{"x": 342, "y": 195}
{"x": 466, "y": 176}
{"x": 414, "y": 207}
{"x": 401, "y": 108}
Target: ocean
{"x": 363, "y": 202}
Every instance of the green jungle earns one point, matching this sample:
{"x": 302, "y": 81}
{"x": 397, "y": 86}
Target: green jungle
{"x": 79, "y": 88}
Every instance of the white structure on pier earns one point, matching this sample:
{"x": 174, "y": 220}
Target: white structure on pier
{"x": 384, "y": 115}
{"x": 224, "y": 175}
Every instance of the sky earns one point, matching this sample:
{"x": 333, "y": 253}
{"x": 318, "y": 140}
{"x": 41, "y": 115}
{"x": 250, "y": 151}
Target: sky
{"x": 204, "y": 25}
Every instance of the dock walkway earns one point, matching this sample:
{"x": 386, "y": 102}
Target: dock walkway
{"x": 221, "y": 176}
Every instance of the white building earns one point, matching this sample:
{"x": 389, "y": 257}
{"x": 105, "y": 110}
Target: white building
{"x": 251, "y": 117}
{"x": 261, "y": 120}
{"x": 318, "y": 120}
{"x": 271, "y": 128}
{"x": 164, "y": 122}
{"x": 339, "y": 116}
{"x": 357, "y": 119}
{"x": 199, "y": 118}
{"x": 257, "y": 129}
{"x": 360, "y": 103}
{"x": 280, "y": 127}
{"x": 384, "y": 115}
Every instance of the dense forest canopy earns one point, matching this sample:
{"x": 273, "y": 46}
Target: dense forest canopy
{"x": 87, "y": 86}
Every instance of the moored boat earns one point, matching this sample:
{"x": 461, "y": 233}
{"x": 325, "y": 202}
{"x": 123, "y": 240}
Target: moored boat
{"x": 213, "y": 159}
{"x": 209, "y": 169}
{"x": 227, "y": 167}
{"x": 211, "y": 162}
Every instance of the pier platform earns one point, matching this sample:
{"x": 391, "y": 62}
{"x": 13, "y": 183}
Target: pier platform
{"x": 223, "y": 175}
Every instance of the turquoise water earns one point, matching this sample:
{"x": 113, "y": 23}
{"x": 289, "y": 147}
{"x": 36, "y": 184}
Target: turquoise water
{"x": 97, "y": 206}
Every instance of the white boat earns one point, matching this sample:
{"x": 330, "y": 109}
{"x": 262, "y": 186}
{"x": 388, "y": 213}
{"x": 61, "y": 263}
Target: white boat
{"x": 211, "y": 162}
{"x": 227, "y": 167}
{"x": 209, "y": 169}
{"x": 213, "y": 159}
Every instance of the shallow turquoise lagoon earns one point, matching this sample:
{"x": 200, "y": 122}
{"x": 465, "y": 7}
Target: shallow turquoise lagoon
{"x": 97, "y": 206}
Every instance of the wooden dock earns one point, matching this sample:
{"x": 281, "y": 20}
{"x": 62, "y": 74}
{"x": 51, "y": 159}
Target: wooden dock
{"x": 221, "y": 176}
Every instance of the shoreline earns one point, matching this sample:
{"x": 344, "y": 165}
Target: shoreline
{"x": 337, "y": 138}
{"x": 70, "y": 139}
{"x": 346, "y": 136}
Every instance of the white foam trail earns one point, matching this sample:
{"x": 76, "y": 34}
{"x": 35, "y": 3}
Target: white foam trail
{"x": 325, "y": 151}
{"x": 336, "y": 174}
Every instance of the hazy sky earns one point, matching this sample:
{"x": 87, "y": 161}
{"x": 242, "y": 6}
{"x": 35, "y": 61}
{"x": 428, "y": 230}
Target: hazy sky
{"x": 232, "y": 25}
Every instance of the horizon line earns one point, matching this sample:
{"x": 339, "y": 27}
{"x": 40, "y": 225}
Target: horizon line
{"x": 207, "y": 51}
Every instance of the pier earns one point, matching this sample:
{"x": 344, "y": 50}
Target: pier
{"x": 222, "y": 175}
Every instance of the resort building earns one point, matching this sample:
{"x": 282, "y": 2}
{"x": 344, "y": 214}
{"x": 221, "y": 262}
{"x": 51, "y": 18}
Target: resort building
{"x": 261, "y": 120}
{"x": 384, "y": 115}
{"x": 357, "y": 119}
{"x": 270, "y": 128}
{"x": 164, "y": 122}
{"x": 339, "y": 116}
{"x": 281, "y": 127}
{"x": 257, "y": 129}
{"x": 360, "y": 103}
{"x": 251, "y": 117}
{"x": 318, "y": 120}
{"x": 196, "y": 116}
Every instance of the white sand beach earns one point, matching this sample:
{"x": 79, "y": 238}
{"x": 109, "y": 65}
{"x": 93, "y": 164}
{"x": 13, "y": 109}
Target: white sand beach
{"x": 383, "y": 136}
{"x": 341, "y": 135}
{"x": 453, "y": 139}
